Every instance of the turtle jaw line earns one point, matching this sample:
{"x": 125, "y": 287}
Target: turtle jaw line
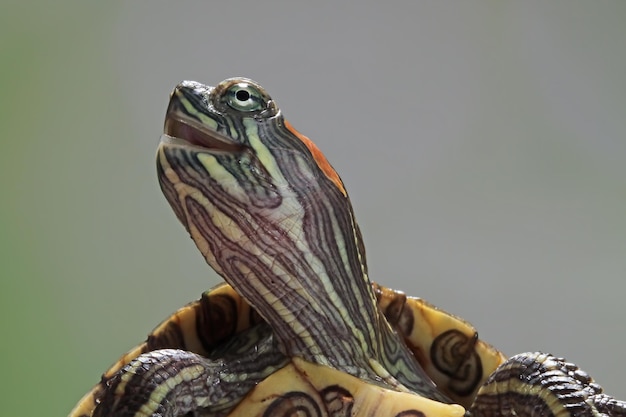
{"x": 195, "y": 134}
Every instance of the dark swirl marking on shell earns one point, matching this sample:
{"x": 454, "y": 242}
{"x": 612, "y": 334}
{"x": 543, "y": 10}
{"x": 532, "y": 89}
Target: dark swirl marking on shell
{"x": 293, "y": 404}
{"x": 216, "y": 319}
{"x": 454, "y": 354}
{"x": 410, "y": 413}
{"x": 338, "y": 401}
{"x": 170, "y": 337}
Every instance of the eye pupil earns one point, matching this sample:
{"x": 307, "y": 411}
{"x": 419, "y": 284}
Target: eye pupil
{"x": 242, "y": 95}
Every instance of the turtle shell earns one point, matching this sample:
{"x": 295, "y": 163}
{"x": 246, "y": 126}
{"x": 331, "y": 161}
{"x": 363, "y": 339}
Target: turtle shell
{"x": 447, "y": 348}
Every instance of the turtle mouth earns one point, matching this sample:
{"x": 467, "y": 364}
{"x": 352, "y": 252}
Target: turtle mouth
{"x": 194, "y": 133}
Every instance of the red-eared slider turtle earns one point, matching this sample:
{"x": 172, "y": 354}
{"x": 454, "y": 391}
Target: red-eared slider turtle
{"x": 299, "y": 329}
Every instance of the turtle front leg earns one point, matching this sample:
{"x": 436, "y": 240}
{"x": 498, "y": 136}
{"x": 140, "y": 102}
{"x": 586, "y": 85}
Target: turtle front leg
{"x": 538, "y": 384}
{"x": 174, "y": 382}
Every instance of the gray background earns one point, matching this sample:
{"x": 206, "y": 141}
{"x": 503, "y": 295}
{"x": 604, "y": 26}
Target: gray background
{"x": 483, "y": 145}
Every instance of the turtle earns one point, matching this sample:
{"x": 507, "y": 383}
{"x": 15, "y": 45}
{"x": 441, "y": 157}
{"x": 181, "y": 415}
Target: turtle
{"x": 298, "y": 328}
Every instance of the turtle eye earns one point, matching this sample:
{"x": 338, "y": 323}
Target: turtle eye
{"x": 244, "y": 97}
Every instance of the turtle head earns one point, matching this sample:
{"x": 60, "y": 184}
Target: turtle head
{"x": 237, "y": 149}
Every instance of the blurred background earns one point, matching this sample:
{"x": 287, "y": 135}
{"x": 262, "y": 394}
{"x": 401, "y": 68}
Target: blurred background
{"x": 483, "y": 144}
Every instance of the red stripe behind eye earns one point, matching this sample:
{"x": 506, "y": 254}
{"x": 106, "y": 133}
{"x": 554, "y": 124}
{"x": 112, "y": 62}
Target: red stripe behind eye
{"x": 319, "y": 157}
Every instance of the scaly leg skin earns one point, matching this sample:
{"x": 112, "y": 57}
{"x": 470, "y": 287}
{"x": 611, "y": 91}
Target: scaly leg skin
{"x": 539, "y": 384}
{"x": 173, "y": 382}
